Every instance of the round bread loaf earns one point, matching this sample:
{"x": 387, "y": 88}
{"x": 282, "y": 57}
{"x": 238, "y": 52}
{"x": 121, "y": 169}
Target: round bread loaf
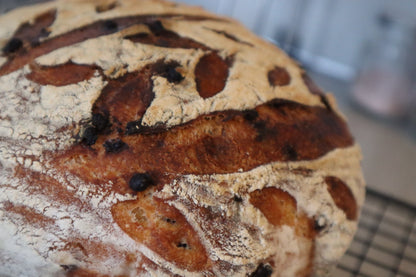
{"x": 147, "y": 138}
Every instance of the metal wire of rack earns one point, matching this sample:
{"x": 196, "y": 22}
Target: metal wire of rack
{"x": 385, "y": 243}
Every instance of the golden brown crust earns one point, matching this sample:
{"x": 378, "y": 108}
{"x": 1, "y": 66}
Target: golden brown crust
{"x": 163, "y": 229}
{"x": 280, "y": 208}
{"x": 343, "y": 197}
{"x": 223, "y": 142}
{"x": 61, "y": 75}
{"x": 211, "y": 75}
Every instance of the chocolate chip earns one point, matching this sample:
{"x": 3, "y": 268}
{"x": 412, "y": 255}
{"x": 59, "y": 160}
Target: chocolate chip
{"x": 114, "y": 146}
{"x": 100, "y": 121}
{"x": 290, "y": 152}
{"x": 13, "y": 46}
{"x": 44, "y": 32}
{"x": 238, "y": 199}
{"x": 140, "y": 181}
{"x": 90, "y": 136}
{"x": 132, "y": 127}
{"x": 156, "y": 27}
{"x": 250, "y": 115}
{"x": 172, "y": 75}
{"x": 110, "y": 25}
{"x": 70, "y": 267}
{"x": 262, "y": 271}
{"x": 182, "y": 245}
{"x": 277, "y": 104}
{"x": 171, "y": 221}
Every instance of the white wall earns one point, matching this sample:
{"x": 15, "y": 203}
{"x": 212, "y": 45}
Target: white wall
{"x": 330, "y": 34}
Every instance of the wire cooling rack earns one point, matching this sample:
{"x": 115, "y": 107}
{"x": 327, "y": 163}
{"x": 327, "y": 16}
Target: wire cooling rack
{"x": 385, "y": 243}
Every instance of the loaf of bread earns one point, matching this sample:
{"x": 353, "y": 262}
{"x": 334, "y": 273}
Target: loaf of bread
{"x": 148, "y": 138}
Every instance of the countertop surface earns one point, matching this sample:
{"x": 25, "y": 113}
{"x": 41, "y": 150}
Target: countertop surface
{"x": 388, "y": 146}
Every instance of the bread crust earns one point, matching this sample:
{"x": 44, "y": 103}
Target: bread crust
{"x": 147, "y": 138}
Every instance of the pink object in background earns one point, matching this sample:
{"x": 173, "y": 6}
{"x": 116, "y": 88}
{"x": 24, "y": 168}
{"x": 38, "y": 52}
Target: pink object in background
{"x": 385, "y": 80}
{"x": 384, "y": 92}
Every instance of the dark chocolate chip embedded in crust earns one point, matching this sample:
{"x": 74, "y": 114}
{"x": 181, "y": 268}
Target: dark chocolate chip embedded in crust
{"x": 290, "y": 152}
{"x": 29, "y": 34}
{"x": 133, "y": 127}
{"x": 182, "y": 245}
{"x": 238, "y": 199}
{"x": 172, "y": 75}
{"x": 100, "y": 121}
{"x": 250, "y": 115}
{"x": 89, "y": 136}
{"x": 262, "y": 271}
{"x": 69, "y": 268}
{"x": 156, "y": 27}
{"x": 140, "y": 181}
{"x": 169, "y": 220}
{"x": 12, "y": 46}
{"x": 114, "y": 146}
{"x": 110, "y": 25}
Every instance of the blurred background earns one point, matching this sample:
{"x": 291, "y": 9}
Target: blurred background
{"x": 364, "y": 52}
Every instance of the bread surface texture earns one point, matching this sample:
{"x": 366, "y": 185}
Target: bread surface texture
{"x": 149, "y": 138}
